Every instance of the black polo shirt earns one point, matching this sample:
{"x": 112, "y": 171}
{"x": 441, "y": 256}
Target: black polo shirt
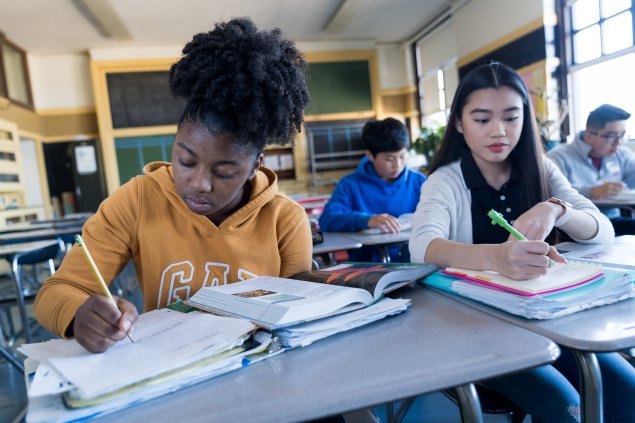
{"x": 484, "y": 198}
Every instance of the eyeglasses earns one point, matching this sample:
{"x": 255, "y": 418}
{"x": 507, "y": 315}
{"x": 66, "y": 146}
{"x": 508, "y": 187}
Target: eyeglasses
{"x": 611, "y": 137}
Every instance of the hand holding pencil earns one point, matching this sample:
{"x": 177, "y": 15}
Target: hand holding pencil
{"x": 98, "y": 325}
{"x": 523, "y": 260}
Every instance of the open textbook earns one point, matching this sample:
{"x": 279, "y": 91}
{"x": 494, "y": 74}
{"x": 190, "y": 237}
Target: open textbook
{"x": 559, "y": 277}
{"x": 273, "y": 302}
{"x": 618, "y": 255}
{"x": 405, "y": 224}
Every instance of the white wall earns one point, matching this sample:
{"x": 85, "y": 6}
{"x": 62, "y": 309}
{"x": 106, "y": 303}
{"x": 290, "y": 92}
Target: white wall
{"x": 334, "y": 45}
{"x": 61, "y": 81}
{"x": 64, "y": 81}
{"x": 481, "y": 22}
{"x": 393, "y": 66}
{"x": 138, "y": 53}
{"x": 438, "y": 48}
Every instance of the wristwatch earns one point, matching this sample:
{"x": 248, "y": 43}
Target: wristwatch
{"x": 566, "y": 215}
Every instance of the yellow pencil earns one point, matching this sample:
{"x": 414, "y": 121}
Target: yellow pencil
{"x": 100, "y": 278}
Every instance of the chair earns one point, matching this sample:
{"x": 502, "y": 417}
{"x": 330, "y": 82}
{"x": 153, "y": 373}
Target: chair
{"x": 27, "y": 287}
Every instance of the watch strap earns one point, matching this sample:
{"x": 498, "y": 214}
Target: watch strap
{"x": 564, "y": 217}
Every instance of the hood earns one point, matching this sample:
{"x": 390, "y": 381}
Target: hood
{"x": 264, "y": 188}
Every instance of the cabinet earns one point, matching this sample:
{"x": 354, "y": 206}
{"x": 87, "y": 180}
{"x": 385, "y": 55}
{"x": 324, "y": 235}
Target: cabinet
{"x": 20, "y": 215}
{"x": 280, "y": 160}
{"x": 11, "y": 177}
{"x": 12, "y": 210}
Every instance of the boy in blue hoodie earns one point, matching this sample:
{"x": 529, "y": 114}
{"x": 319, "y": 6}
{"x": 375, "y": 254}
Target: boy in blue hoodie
{"x": 378, "y": 192}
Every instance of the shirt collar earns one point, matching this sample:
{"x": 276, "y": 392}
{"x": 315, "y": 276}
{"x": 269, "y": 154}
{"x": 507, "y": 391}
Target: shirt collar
{"x": 582, "y": 146}
{"x": 472, "y": 174}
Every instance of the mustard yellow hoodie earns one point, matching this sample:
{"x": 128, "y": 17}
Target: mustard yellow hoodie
{"x": 175, "y": 251}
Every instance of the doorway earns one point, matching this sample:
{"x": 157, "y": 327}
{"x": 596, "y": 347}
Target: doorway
{"x": 75, "y": 176}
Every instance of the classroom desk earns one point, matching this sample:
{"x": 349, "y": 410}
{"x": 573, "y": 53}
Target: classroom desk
{"x": 39, "y": 226}
{"x": 39, "y": 234}
{"x": 437, "y": 344}
{"x": 72, "y": 217}
{"x": 381, "y": 241}
{"x": 601, "y": 329}
{"x": 628, "y": 205}
{"x": 333, "y": 242}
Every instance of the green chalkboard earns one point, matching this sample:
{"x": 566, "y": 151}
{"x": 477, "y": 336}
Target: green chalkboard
{"x": 135, "y": 152}
{"x": 339, "y": 87}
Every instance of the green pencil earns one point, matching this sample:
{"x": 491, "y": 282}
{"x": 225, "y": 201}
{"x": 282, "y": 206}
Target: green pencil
{"x": 498, "y": 219}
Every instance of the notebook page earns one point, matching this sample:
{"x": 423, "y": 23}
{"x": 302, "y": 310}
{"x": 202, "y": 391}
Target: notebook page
{"x": 164, "y": 340}
{"x": 559, "y": 276}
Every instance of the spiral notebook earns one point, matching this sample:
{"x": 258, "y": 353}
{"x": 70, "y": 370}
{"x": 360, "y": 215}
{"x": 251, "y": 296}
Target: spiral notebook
{"x": 558, "y": 278}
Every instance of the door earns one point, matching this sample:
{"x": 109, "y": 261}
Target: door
{"x": 90, "y": 189}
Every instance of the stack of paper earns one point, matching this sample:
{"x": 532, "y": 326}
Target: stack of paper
{"x": 615, "y": 285}
{"x": 559, "y": 277}
{"x": 306, "y": 333}
{"x": 606, "y": 255}
{"x": 171, "y": 350}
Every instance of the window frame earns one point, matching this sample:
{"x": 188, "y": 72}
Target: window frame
{"x": 568, "y": 68}
{"x": 4, "y": 88}
{"x": 566, "y": 7}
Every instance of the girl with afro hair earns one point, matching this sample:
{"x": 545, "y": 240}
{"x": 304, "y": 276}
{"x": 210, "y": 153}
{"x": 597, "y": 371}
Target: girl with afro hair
{"x": 213, "y": 215}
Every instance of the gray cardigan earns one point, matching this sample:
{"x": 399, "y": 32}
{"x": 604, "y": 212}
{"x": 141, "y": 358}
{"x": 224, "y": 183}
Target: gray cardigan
{"x": 444, "y": 209}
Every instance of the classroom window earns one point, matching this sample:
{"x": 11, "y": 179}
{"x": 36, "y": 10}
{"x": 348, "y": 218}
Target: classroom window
{"x": 441, "y": 84}
{"x": 604, "y": 82}
{"x": 435, "y": 96}
{"x": 599, "y": 57}
{"x": 598, "y": 28}
{"x": 14, "y": 79}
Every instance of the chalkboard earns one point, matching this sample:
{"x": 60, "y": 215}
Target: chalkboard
{"x": 339, "y": 87}
{"x": 142, "y": 99}
{"x": 135, "y": 152}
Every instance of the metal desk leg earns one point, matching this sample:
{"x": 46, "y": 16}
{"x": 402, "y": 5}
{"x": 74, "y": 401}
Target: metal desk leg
{"x": 401, "y": 412}
{"x": 469, "y": 404}
{"x": 384, "y": 253}
{"x": 11, "y": 359}
{"x": 590, "y": 387}
{"x": 4, "y": 352}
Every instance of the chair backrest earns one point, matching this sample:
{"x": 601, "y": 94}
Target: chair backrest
{"x": 26, "y": 288}
{"x": 39, "y": 255}
{"x": 46, "y": 253}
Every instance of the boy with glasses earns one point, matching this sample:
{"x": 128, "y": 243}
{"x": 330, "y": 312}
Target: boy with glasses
{"x": 597, "y": 165}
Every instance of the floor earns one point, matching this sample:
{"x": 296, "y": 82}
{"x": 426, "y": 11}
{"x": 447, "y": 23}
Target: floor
{"x": 433, "y": 408}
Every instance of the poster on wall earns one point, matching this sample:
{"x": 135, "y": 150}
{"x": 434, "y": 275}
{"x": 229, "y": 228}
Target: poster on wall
{"x": 85, "y": 159}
